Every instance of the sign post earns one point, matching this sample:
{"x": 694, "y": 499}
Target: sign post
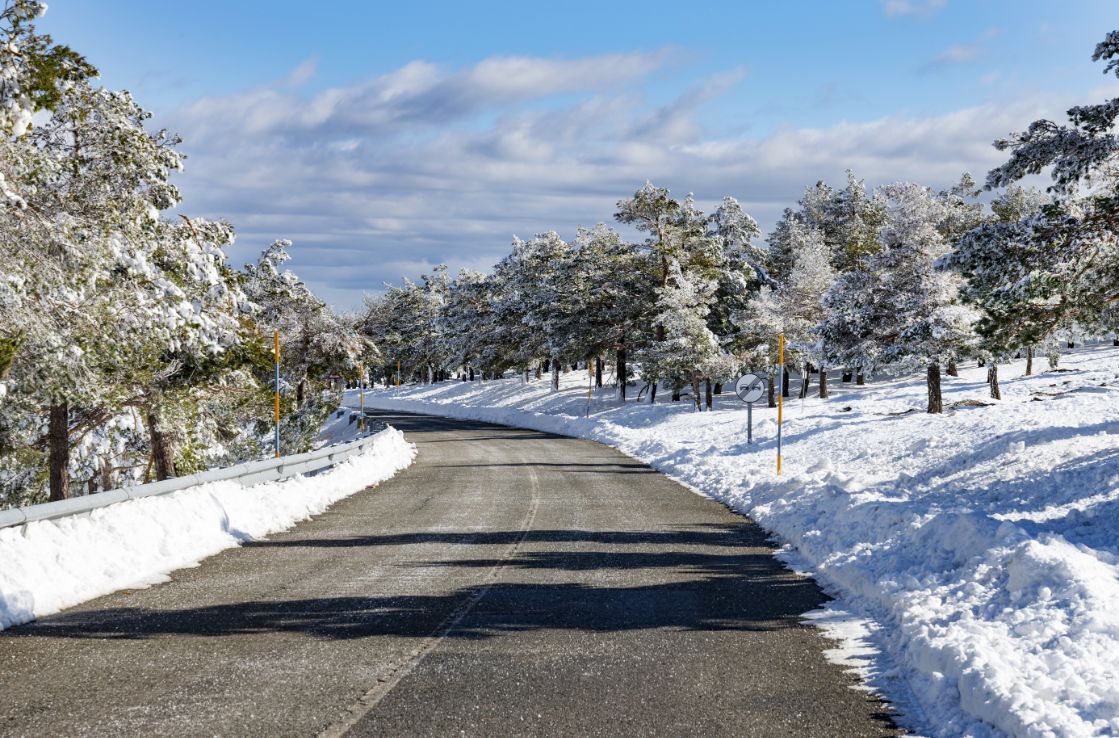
{"x": 750, "y": 388}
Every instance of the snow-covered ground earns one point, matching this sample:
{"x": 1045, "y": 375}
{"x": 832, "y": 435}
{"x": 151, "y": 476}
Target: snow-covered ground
{"x": 50, "y": 565}
{"x": 974, "y": 555}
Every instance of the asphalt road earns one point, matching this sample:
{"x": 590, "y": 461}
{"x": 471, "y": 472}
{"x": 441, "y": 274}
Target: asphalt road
{"x": 509, "y": 583}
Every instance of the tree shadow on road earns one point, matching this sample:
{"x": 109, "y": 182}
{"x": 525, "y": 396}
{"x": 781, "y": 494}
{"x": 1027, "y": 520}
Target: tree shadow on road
{"x": 714, "y": 578}
{"x": 507, "y": 607}
{"x": 735, "y": 535}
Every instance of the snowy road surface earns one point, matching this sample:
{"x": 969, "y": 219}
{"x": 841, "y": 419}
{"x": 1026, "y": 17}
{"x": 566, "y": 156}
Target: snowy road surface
{"x": 508, "y": 583}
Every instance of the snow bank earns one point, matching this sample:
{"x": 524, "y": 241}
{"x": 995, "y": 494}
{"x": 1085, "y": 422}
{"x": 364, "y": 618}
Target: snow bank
{"x": 50, "y": 565}
{"x": 974, "y": 555}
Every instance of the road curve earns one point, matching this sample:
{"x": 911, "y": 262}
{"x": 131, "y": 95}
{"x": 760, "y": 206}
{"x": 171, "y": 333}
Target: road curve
{"x": 509, "y": 583}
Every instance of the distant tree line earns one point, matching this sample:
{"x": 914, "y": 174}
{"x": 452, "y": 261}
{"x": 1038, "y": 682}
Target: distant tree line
{"x": 903, "y": 278}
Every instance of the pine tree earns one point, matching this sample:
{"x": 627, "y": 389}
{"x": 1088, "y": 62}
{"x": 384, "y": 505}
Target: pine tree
{"x": 1071, "y": 244}
{"x": 924, "y": 325}
{"x": 993, "y": 265}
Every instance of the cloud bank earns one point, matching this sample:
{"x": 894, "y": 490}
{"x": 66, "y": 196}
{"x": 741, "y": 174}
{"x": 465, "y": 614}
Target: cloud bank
{"x": 422, "y": 165}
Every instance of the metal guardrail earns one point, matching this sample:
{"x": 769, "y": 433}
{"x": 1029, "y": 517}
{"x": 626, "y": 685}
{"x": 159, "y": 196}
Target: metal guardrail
{"x": 248, "y": 473}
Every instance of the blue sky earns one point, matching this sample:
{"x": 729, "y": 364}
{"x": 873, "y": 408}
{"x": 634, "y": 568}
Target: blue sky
{"x": 385, "y": 138}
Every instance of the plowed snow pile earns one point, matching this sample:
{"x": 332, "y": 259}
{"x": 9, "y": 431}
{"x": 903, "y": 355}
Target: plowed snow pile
{"x": 53, "y": 564}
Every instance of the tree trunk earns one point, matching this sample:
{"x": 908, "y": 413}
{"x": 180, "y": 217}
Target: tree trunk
{"x": 163, "y": 452}
{"x": 555, "y": 375}
{"x": 676, "y": 387}
{"x": 598, "y": 372}
{"x": 620, "y": 370}
{"x": 1115, "y": 340}
{"x": 1029, "y": 360}
{"x": 823, "y": 383}
{"x": 770, "y": 392}
{"x": 58, "y": 440}
{"x": 784, "y": 381}
{"x": 471, "y": 374}
{"x": 859, "y": 378}
{"x": 697, "y": 401}
{"x": 936, "y": 401}
{"x": 718, "y": 388}
{"x": 993, "y": 380}
{"x": 708, "y": 398}
{"x": 547, "y": 365}
{"x": 953, "y": 370}
{"x": 652, "y": 392}
{"x": 299, "y": 388}
{"x": 806, "y": 377}
{"x": 107, "y": 481}
{"x": 846, "y": 376}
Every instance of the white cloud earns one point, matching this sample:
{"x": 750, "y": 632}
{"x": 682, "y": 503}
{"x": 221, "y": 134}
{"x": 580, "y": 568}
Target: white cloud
{"x": 302, "y": 74}
{"x": 417, "y": 94}
{"x": 954, "y": 55}
{"x": 913, "y": 7}
{"x": 381, "y": 180}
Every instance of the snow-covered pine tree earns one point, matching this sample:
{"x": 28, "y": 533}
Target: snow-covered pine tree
{"x": 923, "y": 322}
{"x": 741, "y": 271}
{"x": 87, "y": 288}
{"x": 652, "y": 210}
{"x": 963, "y": 212}
{"x": 811, "y": 277}
{"x": 854, "y": 308}
{"x": 468, "y": 325}
{"x": 118, "y": 329}
{"x": 793, "y": 306}
{"x": 686, "y": 348}
{"x": 1074, "y": 240}
{"x": 995, "y": 261}
{"x": 613, "y": 308}
{"x": 543, "y": 291}
{"x": 853, "y": 220}
{"x": 693, "y": 250}
{"x": 405, "y": 324}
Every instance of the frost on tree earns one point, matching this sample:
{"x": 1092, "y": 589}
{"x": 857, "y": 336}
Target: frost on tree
{"x": 127, "y": 344}
{"x": 1064, "y": 254}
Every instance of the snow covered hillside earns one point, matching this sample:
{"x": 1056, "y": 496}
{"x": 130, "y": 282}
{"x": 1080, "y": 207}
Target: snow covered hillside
{"x": 979, "y": 545}
{"x": 53, "y": 564}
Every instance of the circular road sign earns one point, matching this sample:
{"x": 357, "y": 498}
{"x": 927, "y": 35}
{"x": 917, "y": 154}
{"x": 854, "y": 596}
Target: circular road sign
{"x": 750, "y": 388}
